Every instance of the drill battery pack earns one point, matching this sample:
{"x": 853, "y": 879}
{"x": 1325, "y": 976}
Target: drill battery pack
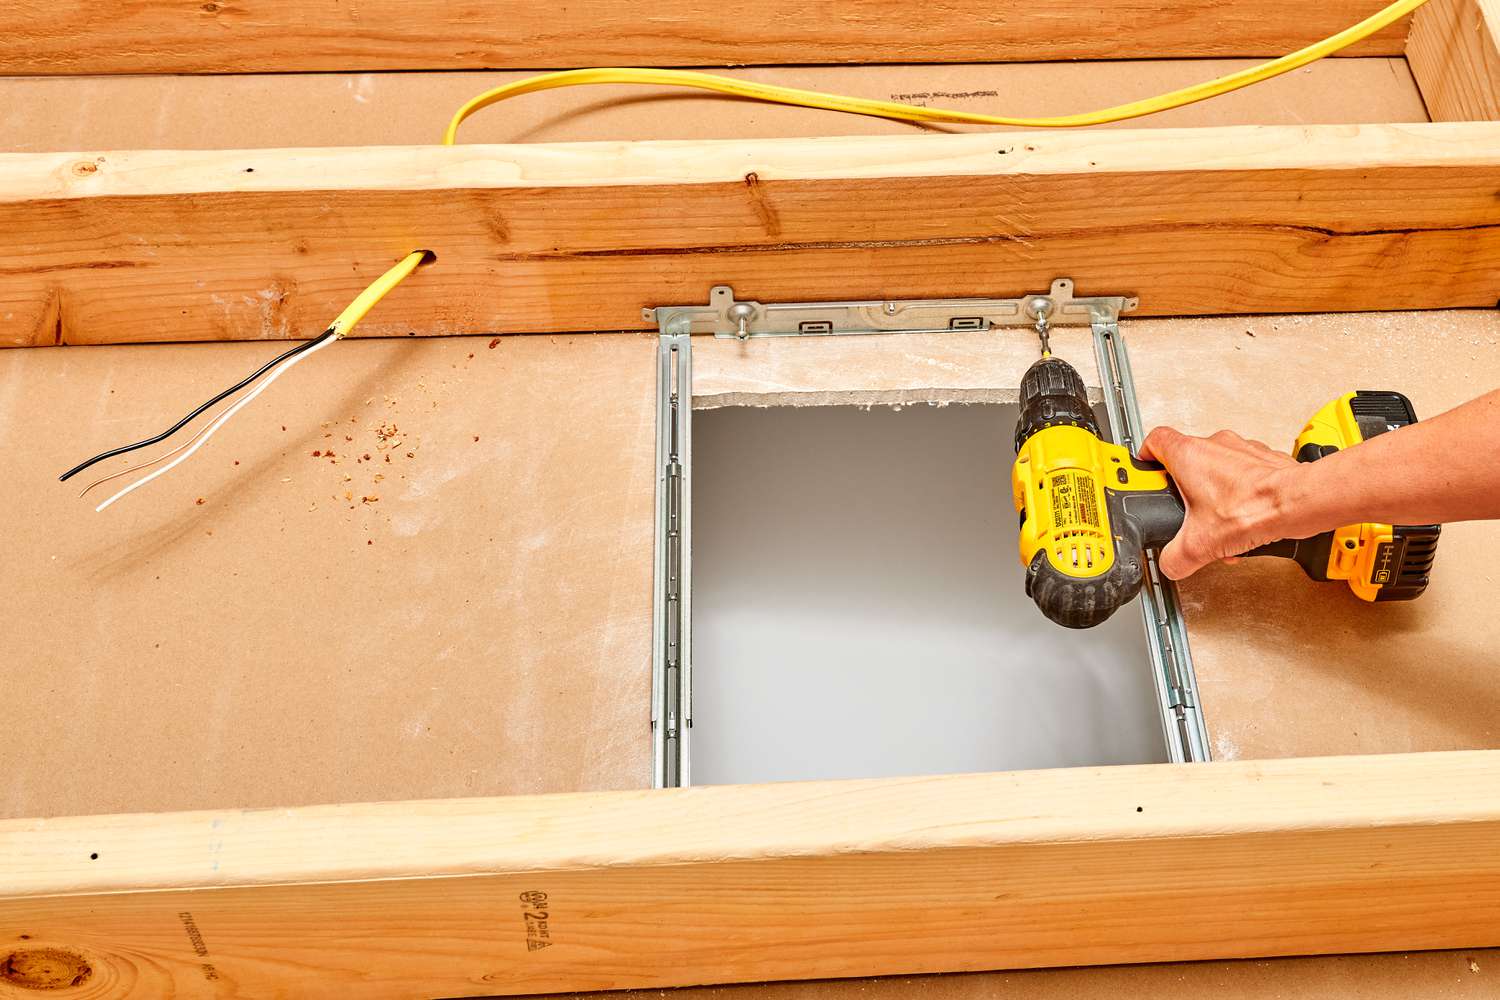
{"x": 1380, "y": 562}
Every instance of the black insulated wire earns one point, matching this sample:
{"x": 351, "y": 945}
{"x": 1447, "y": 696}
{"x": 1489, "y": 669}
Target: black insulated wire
{"x": 306, "y": 345}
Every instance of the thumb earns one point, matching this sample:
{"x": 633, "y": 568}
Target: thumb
{"x": 1173, "y": 561}
{"x": 1160, "y": 445}
{"x": 1183, "y": 555}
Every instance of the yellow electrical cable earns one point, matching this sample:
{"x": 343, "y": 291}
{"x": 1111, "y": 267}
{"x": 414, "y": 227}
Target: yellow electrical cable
{"x": 379, "y": 289}
{"x": 909, "y": 112}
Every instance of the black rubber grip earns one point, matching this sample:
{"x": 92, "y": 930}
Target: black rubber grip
{"x": 1157, "y": 516}
{"x": 1083, "y": 602}
{"x": 1075, "y": 602}
{"x": 1285, "y": 549}
{"x": 1309, "y": 553}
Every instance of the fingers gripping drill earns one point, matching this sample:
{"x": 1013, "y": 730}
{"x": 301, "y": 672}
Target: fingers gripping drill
{"x": 1089, "y": 508}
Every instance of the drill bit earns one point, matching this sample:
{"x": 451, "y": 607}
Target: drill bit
{"x": 1041, "y": 308}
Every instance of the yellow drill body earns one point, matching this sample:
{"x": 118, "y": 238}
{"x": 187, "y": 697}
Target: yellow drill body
{"x": 1089, "y": 508}
{"x": 1066, "y": 468}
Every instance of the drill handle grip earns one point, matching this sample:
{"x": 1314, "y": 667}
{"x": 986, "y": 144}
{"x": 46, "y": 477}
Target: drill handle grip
{"x": 1286, "y": 548}
{"x": 1309, "y": 553}
{"x": 1157, "y": 515}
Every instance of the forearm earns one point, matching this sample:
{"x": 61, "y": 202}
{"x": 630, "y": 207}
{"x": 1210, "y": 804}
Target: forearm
{"x": 1438, "y": 470}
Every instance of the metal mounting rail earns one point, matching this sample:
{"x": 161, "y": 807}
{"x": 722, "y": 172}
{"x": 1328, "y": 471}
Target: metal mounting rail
{"x": 672, "y": 649}
{"x": 724, "y": 317}
{"x": 1166, "y": 632}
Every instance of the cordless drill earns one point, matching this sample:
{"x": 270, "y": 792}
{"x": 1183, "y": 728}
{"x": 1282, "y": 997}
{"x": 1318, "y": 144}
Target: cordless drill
{"x": 1089, "y": 508}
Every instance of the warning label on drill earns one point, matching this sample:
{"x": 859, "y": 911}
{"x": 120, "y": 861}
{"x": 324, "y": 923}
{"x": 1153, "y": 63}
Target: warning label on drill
{"x": 1075, "y": 503}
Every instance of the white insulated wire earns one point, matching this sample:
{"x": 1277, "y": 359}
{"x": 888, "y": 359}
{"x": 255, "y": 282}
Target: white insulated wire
{"x": 222, "y": 418}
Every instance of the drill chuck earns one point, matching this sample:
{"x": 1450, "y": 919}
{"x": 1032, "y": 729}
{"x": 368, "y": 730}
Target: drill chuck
{"x": 1053, "y": 395}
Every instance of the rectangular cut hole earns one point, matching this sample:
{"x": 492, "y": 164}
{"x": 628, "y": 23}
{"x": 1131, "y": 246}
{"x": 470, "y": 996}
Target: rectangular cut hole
{"x": 858, "y": 607}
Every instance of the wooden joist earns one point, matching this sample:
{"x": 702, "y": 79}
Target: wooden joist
{"x": 171, "y": 245}
{"x": 247, "y": 36}
{"x": 1454, "y": 53}
{"x": 802, "y": 880}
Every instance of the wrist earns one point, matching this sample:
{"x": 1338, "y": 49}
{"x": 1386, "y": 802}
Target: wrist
{"x": 1295, "y": 506}
{"x": 1307, "y": 499}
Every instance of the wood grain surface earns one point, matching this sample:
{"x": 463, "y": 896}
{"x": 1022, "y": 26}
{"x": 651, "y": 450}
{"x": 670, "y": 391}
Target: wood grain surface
{"x": 250, "y": 36}
{"x": 808, "y": 879}
{"x": 1454, "y": 53}
{"x": 121, "y": 247}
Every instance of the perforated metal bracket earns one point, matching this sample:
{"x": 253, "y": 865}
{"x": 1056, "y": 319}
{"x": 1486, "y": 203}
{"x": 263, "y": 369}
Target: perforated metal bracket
{"x": 672, "y": 652}
{"x": 726, "y": 317}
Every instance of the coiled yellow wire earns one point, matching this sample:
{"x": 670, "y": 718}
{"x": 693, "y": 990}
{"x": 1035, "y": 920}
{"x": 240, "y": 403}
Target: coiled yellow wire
{"x": 909, "y": 112}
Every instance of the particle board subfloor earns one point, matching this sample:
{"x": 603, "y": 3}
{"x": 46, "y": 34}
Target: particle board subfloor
{"x": 480, "y": 624}
{"x": 1431, "y": 975}
{"x": 46, "y": 114}
{"x": 269, "y": 626}
{"x": 1290, "y": 669}
{"x": 484, "y": 626}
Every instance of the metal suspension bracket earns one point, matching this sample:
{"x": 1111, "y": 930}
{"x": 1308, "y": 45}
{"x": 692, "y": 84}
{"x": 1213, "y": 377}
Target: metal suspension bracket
{"x": 725, "y": 317}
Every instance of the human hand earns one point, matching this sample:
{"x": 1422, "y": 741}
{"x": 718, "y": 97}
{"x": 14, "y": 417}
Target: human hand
{"x": 1237, "y": 494}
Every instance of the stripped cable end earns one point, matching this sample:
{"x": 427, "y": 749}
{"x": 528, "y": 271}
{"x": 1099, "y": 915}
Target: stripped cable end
{"x": 340, "y": 327}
